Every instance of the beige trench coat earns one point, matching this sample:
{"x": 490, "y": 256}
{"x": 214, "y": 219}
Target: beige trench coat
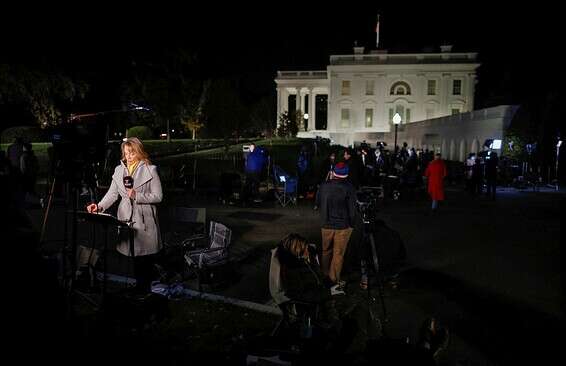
{"x": 147, "y": 237}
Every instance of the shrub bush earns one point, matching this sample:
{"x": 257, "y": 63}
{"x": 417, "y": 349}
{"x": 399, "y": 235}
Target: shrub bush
{"x": 27, "y": 133}
{"x": 141, "y": 132}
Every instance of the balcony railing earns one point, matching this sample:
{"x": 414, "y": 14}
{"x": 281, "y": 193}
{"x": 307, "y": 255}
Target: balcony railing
{"x": 301, "y": 75}
{"x": 403, "y": 59}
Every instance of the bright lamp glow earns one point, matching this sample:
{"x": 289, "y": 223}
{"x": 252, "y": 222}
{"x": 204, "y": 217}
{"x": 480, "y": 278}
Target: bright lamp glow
{"x": 306, "y": 116}
{"x": 496, "y": 144}
{"x": 397, "y": 118}
{"x": 282, "y": 178}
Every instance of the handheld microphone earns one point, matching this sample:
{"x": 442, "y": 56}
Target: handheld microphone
{"x": 128, "y": 182}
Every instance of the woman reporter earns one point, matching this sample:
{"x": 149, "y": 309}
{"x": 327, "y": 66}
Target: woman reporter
{"x": 137, "y": 205}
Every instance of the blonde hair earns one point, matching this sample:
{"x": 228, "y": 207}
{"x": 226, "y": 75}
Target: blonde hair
{"x": 136, "y": 145}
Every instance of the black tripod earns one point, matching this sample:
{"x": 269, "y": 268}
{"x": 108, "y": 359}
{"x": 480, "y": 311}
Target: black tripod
{"x": 73, "y": 178}
{"x": 367, "y": 202}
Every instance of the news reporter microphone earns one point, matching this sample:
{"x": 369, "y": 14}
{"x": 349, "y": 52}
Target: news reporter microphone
{"x": 129, "y": 184}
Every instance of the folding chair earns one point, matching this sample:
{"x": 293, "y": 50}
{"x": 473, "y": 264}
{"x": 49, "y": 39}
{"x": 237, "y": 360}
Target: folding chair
{"x": 201, "y": 259}
{"x": 185, "y": 225}
{"x": 285, "y": 186}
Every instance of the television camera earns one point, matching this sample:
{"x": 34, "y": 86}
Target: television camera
{"x": 77, "y": 148}
{"x": 366, "y": 200}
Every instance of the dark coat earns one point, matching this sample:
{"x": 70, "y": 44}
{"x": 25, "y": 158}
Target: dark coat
{"x": 255, "y": 161}
{"x": 336, "y": 200}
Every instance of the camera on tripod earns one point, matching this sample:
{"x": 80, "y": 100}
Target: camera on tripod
{"x": 366, "y": 200}
{"x": 77, "y": 147}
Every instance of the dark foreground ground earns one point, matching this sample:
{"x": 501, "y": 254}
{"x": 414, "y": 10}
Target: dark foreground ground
{"x": 491, "y": 272}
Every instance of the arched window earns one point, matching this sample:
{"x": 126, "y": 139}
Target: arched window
{"x": 400, "y": 88}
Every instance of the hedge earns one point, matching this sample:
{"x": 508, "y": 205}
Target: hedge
{"x": 27, "y": 133}
{"x": 141, "y": 132}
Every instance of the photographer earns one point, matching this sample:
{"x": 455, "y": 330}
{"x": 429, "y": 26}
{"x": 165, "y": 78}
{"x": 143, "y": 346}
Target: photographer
{"x": 336, "y": 199}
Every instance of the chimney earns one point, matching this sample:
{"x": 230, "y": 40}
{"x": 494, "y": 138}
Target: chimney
{"x": 357, "y": 49}
{"x": 447, "y": 48}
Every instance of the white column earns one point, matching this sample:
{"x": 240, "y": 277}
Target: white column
{"x": 301, "y": 106}
{"x": 285, "y": 96}
{"x": 279, "y": 105}
{"x": 300, "y": 101}
{"x": 312, "y": 109}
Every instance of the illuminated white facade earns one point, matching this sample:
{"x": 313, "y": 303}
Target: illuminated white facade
{"x": 359, "y": 94}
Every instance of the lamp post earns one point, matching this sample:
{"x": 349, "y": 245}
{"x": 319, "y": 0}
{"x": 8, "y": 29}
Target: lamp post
{"x": 558, "y": 144}
{"x": 306, "y": 123}
{"x": 396, "y": 122}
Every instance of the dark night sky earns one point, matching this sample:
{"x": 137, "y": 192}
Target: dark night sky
{"x": 513, "y": 42}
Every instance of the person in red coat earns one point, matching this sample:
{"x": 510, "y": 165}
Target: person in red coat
{"x": 435, "y": 173}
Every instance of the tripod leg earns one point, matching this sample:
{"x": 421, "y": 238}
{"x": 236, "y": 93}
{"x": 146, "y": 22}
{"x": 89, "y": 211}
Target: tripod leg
{"x": 46, "y": 215}
{"x": 364, "y": 275}
{"x": 378, "y": 274}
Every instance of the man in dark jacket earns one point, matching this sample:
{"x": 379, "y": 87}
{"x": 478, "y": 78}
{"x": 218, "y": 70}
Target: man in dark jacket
{"x": 354, "y": 167}
{"x": 491, "y": 163}
{"x": 336, "y": 200}
{"x": 254, "y": 164}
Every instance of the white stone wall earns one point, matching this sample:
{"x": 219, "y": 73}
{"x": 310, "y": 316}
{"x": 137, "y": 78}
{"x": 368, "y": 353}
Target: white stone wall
{"x": 453, "y": 136}
{"x": 418, "y": 101}
{"x": 458, "y": 135}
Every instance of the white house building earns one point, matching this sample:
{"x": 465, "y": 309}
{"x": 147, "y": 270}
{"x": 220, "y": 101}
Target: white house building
{"x": 357, "y": 96}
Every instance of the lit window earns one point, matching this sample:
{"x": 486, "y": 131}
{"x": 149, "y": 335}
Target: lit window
{"x": 370, "y": 85}
{"x": 457, "y": 87}
{"x": 369, "y": 117}
{"x": 400, "y": 88}
{"x": 401, "y": 110}
{"x": 345, "y": 87}
{"x": 431, "y": 87}
{"x": 345, "y": 120}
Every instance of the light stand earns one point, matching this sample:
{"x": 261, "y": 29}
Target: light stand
{"x": 558, "y": 145}
{"x": 396, "y": 122}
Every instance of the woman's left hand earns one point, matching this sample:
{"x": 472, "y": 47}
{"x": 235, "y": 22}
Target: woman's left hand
{"x": 131, "y": 193}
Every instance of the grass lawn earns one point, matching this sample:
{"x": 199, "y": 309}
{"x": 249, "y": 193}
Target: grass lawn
{"x": 212, "y": 158}
{"x": 211, "y": 163}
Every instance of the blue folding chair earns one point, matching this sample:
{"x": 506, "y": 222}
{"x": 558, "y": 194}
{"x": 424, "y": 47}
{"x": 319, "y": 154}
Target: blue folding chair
{"x": 285, "y": 186}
